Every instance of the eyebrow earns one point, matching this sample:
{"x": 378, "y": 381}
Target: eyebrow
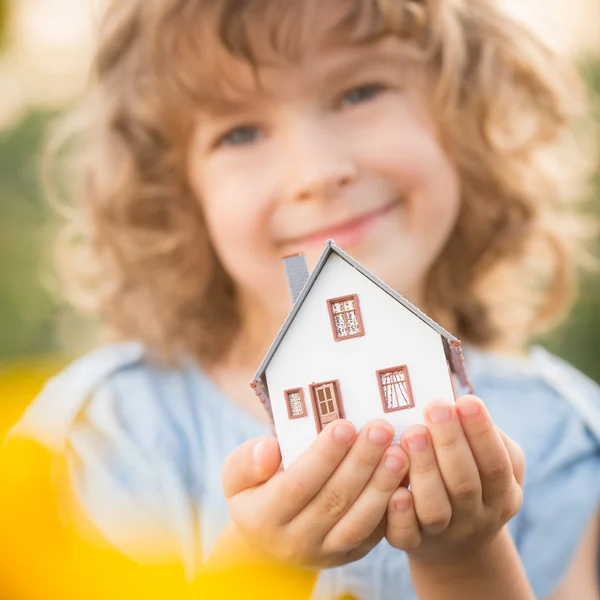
{"x": 364, "y": 57}
{"x": 220, "y": 104}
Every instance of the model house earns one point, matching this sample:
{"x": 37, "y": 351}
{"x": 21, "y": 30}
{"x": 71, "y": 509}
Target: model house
{"x": 352, "y": 348}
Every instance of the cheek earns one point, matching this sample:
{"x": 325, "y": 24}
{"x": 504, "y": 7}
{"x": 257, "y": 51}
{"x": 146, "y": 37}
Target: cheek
{"x": 433, "y": 201}
{"x": 234, "y": 199}
{"x": 405, "y": 151}
{"x": 409, "y": 155}
{"x": 412, "y": 157}
{"x": 435, "y": 180}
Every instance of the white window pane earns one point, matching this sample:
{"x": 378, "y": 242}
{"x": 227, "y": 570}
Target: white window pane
{"x": 295, "y": 404}
{"x": 352, "y": 323}
{"x": 340, "y": 325}
{"x": 403, "y": 393}
{"x": 337, "y": 307}
{"x": 389, "y": 398}
{"x": 395, "y": 389}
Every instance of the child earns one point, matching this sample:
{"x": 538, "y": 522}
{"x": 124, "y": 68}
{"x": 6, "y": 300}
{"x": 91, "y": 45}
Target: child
{"x": 223, "y": 135}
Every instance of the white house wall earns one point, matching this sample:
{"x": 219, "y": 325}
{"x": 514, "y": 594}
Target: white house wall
{"x": 309, "y": 354}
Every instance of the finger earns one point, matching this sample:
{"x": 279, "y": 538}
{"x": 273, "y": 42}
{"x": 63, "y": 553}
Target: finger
{"x": 491, "y": 455}
{"x": 517, "y": 459}
{"x": 516, "y": 455}
{"x": 366, "y": 547}
{"x": 344, "y": 486}
{"x": 402, "y": 529}
{"x": 454, "y": 457}
{"x": 287, "y": 494}
{"x": 430, "y": 497}
{"x": 249, "y": 465}
{"x": 370, "y": 507}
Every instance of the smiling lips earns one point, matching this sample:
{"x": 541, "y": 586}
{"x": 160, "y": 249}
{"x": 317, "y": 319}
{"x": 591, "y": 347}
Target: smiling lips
{"x": 348, "y": 232}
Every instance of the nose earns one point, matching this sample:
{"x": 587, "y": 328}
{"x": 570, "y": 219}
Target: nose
{"x": 318, "y": 165}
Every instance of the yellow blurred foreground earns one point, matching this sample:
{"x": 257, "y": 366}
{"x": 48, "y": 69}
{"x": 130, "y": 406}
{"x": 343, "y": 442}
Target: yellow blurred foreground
{"x": 42, "y": 555}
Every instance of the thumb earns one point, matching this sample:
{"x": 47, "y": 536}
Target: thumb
{"x": 249, "y": 465}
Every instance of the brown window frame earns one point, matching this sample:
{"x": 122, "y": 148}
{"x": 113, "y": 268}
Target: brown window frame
{"x": 361, "y": 328}
{"x": 286, "y": 394}
{"x": 411, "y": 398}
{"x": 315, "y": 401}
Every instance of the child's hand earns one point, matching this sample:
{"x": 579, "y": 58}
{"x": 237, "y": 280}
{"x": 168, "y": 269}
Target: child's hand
{"x": 328, "y": 508}
{"x": 465, "y": 479}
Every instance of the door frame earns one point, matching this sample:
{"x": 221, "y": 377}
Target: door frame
{"x": 315, "y": 403}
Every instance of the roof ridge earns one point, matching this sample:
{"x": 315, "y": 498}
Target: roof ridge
{"x": 391, "y": 291}
{"x": 330, "y": 247}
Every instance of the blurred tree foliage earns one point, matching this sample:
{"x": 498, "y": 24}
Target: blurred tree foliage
{"x": 26, "y": 309}
{"x": 578, "y": 340}
{"x": 29, "y": 316}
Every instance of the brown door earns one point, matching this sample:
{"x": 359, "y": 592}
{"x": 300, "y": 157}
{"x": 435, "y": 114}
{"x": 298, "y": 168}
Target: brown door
{"x": 326, "y": 403}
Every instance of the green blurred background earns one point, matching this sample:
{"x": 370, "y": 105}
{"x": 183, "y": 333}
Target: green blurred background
{"x": 32, "y": 321}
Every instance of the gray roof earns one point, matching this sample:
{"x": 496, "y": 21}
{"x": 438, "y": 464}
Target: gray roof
{"x": 329, "y": 249}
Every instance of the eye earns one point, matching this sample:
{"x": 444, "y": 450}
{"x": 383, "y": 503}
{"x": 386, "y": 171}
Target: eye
{"x": 240, "y": 136}
{"x": 363, "y": 93}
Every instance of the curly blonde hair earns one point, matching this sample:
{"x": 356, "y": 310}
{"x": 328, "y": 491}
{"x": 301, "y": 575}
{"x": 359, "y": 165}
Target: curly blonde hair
{"x": 135, "y": 250}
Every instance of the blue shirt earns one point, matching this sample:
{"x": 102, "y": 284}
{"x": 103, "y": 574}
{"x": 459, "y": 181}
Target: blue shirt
{"x": 145, "y": 445}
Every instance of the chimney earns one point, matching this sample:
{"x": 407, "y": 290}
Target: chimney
{"x": 297, "y": 274}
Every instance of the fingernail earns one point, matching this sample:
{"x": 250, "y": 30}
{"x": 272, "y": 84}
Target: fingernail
{"x": 379, "y": 436}
{"x": 343, "y": 433}
{"x": 256, "y": 451}
{"x": 403, "y": 503}
{"x": 394, "y": 464}
{"x": 469, "y": 410}
{"x": 439, "y": 414}
{"x": 417, "y": 443}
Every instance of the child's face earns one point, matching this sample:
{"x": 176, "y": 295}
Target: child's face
{"x": 335, "y": 145}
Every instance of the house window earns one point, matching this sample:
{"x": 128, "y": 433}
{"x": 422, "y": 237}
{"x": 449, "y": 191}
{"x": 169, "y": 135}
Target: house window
{"x": 346, "y": 320}
{"x": 294, "y": 400}
{"x": 395, "y": 390}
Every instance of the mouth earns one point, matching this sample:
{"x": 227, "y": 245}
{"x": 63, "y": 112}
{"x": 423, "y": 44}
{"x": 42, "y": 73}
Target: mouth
{"x": 346, "y": 233}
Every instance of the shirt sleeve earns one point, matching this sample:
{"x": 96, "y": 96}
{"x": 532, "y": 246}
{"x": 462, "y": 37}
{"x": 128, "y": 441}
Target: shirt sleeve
{"x": 561, "y": 492}
{"x": 119, "y": 482}
{"x": 126, "y": 460}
